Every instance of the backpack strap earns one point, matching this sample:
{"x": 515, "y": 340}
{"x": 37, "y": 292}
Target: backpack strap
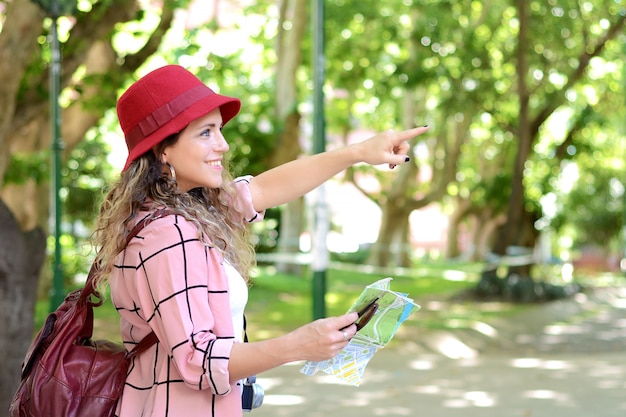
{"x": 162, "y": 212}
{"x": 90, "y": 290}
{"x": 143, "y": 345}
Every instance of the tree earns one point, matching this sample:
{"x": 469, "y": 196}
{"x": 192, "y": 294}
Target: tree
{"x": 532, "y": 117}
{"x": 539, "y": 99}
{"x": 463, "y": 62}
{"x": 92, "y": 72}
{"x": 591, "y": 205}
{"x": 411, "y": 70}
{"x": 292, "y": 23}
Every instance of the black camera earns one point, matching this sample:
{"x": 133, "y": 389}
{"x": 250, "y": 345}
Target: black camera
{"x": 252, "y": 395}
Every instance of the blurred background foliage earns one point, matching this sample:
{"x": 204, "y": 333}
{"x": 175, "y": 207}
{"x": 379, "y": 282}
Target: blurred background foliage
{"x": 478, "y": 72}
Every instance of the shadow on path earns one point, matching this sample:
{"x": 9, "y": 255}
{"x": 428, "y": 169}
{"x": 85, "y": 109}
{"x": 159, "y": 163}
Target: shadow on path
{"x": 566, "y": 358}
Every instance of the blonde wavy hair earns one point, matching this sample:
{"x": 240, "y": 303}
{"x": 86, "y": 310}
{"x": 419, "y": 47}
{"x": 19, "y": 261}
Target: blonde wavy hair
{"x": 146, "y": 185}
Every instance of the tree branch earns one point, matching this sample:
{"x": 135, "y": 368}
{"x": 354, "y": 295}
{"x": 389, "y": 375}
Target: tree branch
{"x": 557, "y": 98}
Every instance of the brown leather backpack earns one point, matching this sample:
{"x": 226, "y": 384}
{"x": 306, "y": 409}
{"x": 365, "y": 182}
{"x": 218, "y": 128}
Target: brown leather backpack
{"x": 65, "y": 372}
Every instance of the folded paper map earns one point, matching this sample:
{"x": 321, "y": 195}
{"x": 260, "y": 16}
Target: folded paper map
{"x": 393, "y": 309}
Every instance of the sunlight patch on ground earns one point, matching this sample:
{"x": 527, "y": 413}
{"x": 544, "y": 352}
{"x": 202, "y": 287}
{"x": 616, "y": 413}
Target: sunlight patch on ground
{"x": 328, "y": 379}
{"x": 527, "y": 363}
{"x": 621, "y": 323}
{"x": 451, "y": 347}
{"x": 452, "y": 275}
{"x": 269, "y": 383}
{"x": 480, "y": 398}
{"x": 472, "y": 399}
{"x": 357, "y": 402}
{"x": 619, "y": 303}
{"x": 557, "y": 329}
{"x": 427, "y": 389}
{"x": 395, "y": 411}
{"x": 485, "y": 329}
{"x": 611, "y": 384}
{"x": 283, "y": 400}
{"x": 607, "y": 370}
{"x": 545, "y": 394}
{"x": 422, "y": 365}
{"x": 557, "y": 365}
{"x": 274, "y": 399}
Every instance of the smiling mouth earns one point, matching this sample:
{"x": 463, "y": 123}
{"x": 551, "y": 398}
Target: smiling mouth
{"x": 215, "y": 163}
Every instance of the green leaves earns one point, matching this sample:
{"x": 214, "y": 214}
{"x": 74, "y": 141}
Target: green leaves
{"x": 26, "y": 167}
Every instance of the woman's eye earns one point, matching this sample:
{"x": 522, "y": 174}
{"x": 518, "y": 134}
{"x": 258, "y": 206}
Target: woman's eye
{"x": 206, "y": 132}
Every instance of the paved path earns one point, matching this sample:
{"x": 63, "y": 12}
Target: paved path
{"x": 566, "y": 358}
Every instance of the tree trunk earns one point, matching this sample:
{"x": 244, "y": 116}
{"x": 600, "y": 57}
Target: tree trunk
{"x": 289, "y": 51}
{"x": 514, "y": 231}
{"x": 22, "y": 255}
{"x": 393, "y": 246}
{"x": 459, "y": 214}
{"x": 509, "y": 234}
{"x": 392, "y": 239}
{"x": 485, "y": 233}
{"x": 18, "y": 44}
{"x": 291, "y": 224}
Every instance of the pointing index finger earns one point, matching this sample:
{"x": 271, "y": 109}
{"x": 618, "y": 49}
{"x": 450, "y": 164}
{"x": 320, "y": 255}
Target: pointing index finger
{"x": 411, "y": 133}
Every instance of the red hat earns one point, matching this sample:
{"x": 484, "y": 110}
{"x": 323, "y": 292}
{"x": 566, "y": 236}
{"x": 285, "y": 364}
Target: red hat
{"x": 164, "y": 102}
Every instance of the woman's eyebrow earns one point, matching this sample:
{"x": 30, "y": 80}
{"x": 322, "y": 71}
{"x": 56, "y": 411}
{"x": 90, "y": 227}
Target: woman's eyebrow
{"x": 212, "y": 125}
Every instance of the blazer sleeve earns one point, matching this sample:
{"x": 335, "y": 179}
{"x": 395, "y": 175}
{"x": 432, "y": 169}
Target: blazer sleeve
{"x": 244, "y": 200}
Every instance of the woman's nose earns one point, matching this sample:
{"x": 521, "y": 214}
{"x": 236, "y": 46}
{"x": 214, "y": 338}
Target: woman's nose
{"x": 221, "y": 145}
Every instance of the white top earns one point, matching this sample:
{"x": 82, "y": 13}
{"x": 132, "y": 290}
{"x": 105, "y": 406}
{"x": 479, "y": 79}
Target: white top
{"x": 238, "y": 291}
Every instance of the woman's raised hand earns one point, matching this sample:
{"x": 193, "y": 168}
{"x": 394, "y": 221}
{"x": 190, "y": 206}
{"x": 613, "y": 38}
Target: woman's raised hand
{"x": 388, "y": 147}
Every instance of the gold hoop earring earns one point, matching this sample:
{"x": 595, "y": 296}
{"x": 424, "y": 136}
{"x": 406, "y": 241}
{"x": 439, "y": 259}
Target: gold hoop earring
{"x": 172, "y": 171}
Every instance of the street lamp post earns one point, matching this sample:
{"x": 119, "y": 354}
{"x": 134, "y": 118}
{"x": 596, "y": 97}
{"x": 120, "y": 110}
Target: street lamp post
{"x": 623, "y": 260}
{"x": 57, "y": 294}
{"x": 320, "y": 251}
{"x": 55, "y": 9}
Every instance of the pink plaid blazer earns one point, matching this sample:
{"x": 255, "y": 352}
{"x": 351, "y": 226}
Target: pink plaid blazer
{"x": 168, "y": 281}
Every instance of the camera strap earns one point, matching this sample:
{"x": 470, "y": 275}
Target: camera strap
{"x": 252, "y": 394}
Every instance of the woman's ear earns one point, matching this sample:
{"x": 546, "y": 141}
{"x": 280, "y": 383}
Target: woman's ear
{"x": 161, "y": 157}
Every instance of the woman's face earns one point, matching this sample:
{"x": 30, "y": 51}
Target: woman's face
{"x": 197, "y": 154}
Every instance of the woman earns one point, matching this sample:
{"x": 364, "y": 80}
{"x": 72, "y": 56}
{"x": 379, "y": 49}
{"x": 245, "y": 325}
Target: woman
{"x": 185, "y": 275}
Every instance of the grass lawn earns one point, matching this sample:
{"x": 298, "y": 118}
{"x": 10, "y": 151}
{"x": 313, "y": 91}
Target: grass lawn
{"x": 279, "y": 303}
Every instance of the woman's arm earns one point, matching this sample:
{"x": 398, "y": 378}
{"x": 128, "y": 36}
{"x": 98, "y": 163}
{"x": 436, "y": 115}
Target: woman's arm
{"x": 317, "y": 341}
{"x": 296, "y": 178}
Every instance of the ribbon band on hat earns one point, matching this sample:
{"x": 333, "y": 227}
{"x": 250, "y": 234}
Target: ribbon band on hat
{"x": 166, "y": 113}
